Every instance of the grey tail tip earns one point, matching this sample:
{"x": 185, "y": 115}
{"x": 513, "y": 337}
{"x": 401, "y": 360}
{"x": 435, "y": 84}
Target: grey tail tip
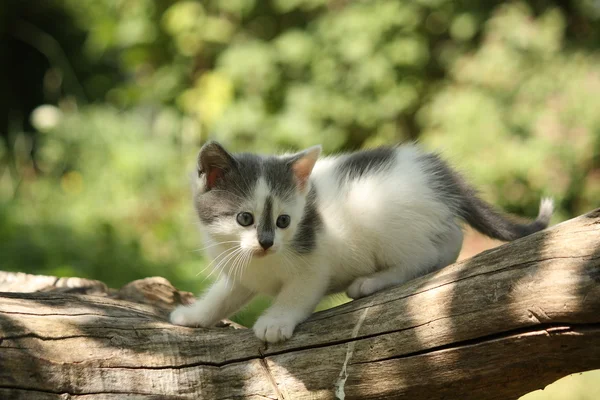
{"x": 546, "y": 211}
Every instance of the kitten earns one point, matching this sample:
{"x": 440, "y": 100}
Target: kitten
{"x": 298, "y": 227}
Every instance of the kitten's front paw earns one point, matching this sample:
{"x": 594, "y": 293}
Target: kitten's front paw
{"x": 274, "y": 329}
{"x": 362, "y": 286}
{"x": 190, "y": 316}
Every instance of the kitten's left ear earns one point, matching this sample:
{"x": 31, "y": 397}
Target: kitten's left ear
{"x": 303, "y": 163}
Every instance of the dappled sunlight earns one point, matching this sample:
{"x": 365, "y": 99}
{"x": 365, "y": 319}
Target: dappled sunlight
{"x": 541, "y": 281}
{"x": 432, "y": 307}
{"x": 55, "y": 332}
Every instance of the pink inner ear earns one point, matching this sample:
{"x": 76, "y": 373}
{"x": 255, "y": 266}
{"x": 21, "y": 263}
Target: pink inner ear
{"x": 212, "y": 177}
{"x": 302, "y": 169}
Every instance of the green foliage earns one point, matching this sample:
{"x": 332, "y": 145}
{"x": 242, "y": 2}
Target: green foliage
{"x": 528, "y": 108}
{"x": 111, "y": 204}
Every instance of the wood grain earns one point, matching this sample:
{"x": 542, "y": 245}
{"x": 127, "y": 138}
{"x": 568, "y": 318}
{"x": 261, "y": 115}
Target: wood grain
{"x": 506, "y": 322}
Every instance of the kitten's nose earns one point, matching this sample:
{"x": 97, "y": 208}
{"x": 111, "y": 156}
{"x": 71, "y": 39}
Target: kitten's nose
{"x": 265, "y": 243}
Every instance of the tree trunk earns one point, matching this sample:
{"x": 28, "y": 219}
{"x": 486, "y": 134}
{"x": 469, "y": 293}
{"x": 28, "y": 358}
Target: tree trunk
{"x": 508, "y": 321}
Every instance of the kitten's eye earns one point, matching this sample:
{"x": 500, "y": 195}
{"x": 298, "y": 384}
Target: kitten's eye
{"x": 283, "y": 221}
{"x": 245, "y": 219}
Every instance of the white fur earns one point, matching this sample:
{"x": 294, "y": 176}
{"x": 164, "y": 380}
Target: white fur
{"x": 377, "y": 232}
{"x": 390, "y": 217}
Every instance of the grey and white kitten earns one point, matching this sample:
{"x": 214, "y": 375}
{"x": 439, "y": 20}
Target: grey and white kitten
{"x": 298, "y": 227}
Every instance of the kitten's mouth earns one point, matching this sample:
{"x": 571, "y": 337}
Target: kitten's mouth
{"x": 261, "y": 253}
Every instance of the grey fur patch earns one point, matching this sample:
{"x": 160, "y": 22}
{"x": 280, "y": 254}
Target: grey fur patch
{"x": 445, "y": 183}
{"x": 305, "y": 238}
{"x": 236, "y": 185}
{"x": 276, "y": 171}
{"x": 454, "y": 191}
{"x": 356, "y": 165}
{"x": 214, "y": 205}
{"x": 248, "y": 171}
{"x": 266, "y": 228}
{"x": 279, "y": 177}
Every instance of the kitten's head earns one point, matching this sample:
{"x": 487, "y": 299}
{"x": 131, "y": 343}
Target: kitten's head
{"x": 252, "y": 201}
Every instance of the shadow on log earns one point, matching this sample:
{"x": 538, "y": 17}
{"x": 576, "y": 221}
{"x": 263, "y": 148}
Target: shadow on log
{"x": 506, "y": 322}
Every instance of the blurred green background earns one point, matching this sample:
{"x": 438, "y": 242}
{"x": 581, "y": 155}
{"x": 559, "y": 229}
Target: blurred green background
{"x": 104, "y": 104}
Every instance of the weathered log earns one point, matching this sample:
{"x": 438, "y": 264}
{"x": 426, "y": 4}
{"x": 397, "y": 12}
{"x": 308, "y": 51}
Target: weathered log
{"x": 508, "y": 321}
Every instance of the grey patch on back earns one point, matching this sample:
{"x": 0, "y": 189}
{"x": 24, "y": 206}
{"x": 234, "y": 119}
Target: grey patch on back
{"x": 356, "y": 165}
{"x": 444, "y": 181}
{"x": 305, "y": 238}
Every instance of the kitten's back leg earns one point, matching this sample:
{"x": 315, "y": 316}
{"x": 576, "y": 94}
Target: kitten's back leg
{"x": 366, "y": 285}
{"x": 447, "y": 247}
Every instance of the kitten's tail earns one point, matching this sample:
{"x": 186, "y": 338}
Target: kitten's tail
{"x": 476, "y": 212}
{"x": 484, "y": 218}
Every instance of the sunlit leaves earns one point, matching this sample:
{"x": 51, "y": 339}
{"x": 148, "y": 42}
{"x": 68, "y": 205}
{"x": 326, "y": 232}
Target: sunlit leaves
{"x": 525, "y": 105}
{"x": 210, "y": 96}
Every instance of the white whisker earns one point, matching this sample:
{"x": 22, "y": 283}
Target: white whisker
{"x": 245, "y": 263}
{"x": 223, "y": 263}
{"x": 215, "y": 244}
{"x": 228, "y": 250}
{"x": 236, "y": 265}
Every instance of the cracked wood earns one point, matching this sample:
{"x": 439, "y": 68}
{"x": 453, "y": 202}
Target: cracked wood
{"x": 506, "y": 322}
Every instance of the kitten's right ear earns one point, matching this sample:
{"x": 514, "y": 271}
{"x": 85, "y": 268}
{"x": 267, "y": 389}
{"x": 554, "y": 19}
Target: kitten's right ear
{"x": 213, "y": 162}
{"x": 303, "y": 163}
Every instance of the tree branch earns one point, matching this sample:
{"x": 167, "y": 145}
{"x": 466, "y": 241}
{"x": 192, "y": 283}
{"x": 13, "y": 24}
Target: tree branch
{"x": 508, "y": 321}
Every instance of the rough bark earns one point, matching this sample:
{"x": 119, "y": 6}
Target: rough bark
{"x": 504, "y": 323}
